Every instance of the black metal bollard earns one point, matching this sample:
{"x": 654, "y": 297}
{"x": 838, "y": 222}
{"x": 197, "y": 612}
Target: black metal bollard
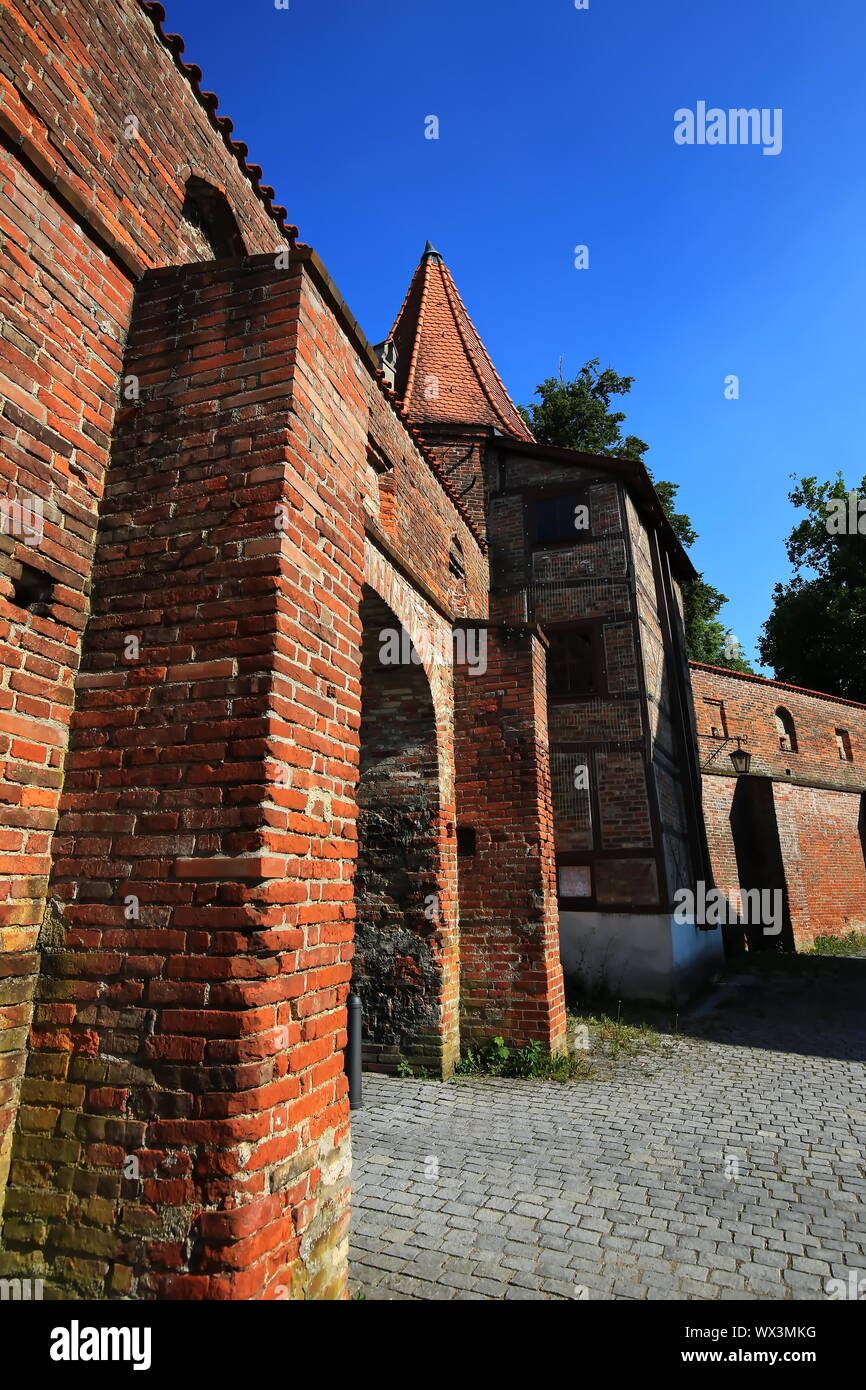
{"x": 353, "y": 1050}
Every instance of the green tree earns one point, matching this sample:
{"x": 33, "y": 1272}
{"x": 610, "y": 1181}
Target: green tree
{"x": 816, "y": 632}
{"x": 578, "y": 414}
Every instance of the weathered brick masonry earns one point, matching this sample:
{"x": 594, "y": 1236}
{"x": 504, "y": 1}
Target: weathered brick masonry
{"x": 797, "y": 822}
{"x": 509, "y": 942}
{"x": 271, "y": 723}
{"x": 88, "y": 200}
{"x": 182, "y": 1127}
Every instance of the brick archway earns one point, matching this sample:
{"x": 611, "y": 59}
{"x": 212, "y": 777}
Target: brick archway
{"x": 406, "y": 944}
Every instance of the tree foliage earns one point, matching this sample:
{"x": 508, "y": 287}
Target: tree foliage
{"x": 578, "y": 414}
{"x": 815, "y": 635}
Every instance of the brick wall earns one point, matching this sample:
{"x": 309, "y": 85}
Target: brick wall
{"x": 813, "y": 814}
{"x": 195, "y": 960}
{"x": 189, "y": 1013}
{"x": 406, "y": 967}
{"x": 103, "y": 125}
{"x": 82, "y": 210}
{"x": 511, "y": 979}
{"x": 608, "y": 830}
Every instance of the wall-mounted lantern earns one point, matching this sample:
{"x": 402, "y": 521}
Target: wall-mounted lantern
{"x": 741, "y": 758}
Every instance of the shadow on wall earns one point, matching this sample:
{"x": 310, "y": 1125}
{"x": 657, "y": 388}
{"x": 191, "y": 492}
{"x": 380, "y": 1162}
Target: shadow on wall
{"x": 396, "y": 967}
{"x": 760, "y": 865}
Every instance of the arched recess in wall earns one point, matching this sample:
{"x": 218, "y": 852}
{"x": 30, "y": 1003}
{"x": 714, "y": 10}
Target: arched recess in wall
{"x": 397, "y": 969}
{"x": 211, "y": 224}
{"x": 786, "y": 730}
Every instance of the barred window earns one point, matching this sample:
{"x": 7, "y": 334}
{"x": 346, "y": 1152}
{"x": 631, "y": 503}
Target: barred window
{"x": 571, "y": 664}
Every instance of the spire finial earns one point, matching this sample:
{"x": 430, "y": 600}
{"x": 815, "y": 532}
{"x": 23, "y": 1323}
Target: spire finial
{"x": 429, "y": 251}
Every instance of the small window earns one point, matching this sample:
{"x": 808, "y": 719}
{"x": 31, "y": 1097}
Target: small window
{"x": 786, "y": 731}
{"x": 208, "y": 212}
{"x": 843, "y": 744}
{"x": 715, "y": 712}
{"x": 378, "y": 459}
{"x": 571, "y": 665}
{"x": 575, "y": 881}
{"x": 33, "y": 591}
{"x": 559, "y": 519}
{"x": 457, "y": 572}
{"x": 456, "y": 563}
{"x": 466, "y": 840}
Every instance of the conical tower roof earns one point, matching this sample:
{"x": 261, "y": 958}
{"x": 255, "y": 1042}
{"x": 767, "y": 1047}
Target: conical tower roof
{"x": 444, "y": 372}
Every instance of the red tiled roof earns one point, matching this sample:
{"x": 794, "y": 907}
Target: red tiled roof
{"x": 175, "y": 45}
{"x": 444, "y": 373}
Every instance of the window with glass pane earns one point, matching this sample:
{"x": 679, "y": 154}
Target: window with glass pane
{"x": 555, "y": 519}
{"x": 570, "y": 663}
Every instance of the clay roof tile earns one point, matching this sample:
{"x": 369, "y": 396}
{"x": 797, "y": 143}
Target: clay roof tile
{"x": 175, "y": 45}
{"x": 444, "y": 372}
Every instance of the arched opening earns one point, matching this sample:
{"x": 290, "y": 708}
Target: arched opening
{"x": 786, "y": 730}
{"x": 211, "y": 222}
{"x": 398, "y": 961}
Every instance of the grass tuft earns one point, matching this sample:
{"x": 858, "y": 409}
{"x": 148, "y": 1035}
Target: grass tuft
{"x": 837, "y": 945}
{"x": 592, "y": 1039}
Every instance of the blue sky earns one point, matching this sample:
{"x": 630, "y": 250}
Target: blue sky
{"x": 556, "y": 130}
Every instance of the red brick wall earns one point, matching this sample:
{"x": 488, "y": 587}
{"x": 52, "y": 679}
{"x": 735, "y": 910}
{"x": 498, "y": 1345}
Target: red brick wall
{"x": 816, "y": 812}
{"x": 81, "y": 71}
{"x": 749, "y": 706}
{"x": 81, "y": 208}
{"x": 511, "y": 978}
{"x": 823, "y": 839}
{"x": 204, "y": 1039}
{"x": 210, "y": 787}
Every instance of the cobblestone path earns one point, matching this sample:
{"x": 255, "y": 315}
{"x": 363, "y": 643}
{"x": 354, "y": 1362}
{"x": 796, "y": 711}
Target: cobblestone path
{"x": 729, "y": 1164}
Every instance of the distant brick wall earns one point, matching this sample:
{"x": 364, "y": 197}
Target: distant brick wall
{"x": 816, "y": 812}
{"x": 630, "y": 836}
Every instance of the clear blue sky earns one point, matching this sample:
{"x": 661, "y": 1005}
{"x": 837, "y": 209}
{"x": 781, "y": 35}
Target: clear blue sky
{"x": 556, "y": 130}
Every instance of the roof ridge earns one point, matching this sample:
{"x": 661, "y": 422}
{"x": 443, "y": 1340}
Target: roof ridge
{"x": 448, "y": 280}
{"x": 416, "y": 346}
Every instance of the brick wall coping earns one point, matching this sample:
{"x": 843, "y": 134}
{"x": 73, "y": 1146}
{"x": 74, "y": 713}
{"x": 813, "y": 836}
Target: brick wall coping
{"x": 779, "y": 685}
{"x": 310, "y": 258}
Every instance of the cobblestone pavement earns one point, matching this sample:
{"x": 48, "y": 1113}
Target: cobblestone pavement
{"x": 727, "y": 1165}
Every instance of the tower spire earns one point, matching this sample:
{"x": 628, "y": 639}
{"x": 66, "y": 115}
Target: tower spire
{"x": 444, "y": 372}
